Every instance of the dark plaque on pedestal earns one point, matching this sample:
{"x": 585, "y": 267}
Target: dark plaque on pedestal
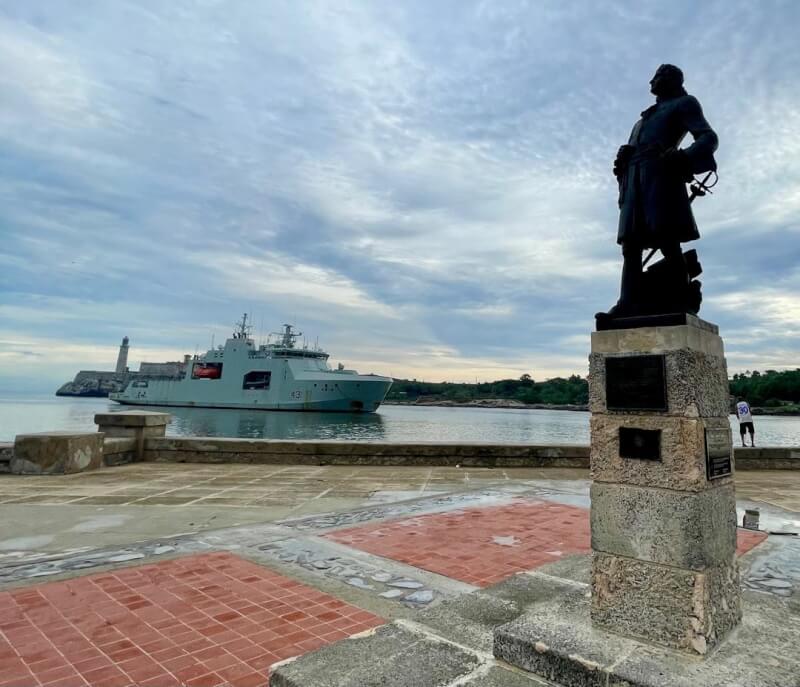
{"x": 718, "y": 453}
{"x": 636, "y": 382}
{"x": 644, "y": 444}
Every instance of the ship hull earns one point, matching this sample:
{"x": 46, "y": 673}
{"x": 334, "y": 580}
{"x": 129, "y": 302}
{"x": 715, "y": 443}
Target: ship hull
{"x": 321, "y": 407}
{"x": 329, "y": 393}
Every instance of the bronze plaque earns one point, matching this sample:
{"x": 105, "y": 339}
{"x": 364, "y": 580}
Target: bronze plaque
{"x": 718, "y": 453}
{"x": 636, "y": 382}
{"x": 643, "y": 444}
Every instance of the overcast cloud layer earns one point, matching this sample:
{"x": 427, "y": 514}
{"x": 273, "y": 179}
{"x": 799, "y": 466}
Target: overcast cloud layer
{"x": 425, "y": 186}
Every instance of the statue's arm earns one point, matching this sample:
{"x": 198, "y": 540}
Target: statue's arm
{"x": 699, "y": 155}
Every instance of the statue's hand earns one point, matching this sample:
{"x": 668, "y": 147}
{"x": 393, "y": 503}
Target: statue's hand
{"x": 676, "y": 163}
{"x": 621, "y": 161}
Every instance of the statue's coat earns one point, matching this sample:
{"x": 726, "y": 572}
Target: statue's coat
{"x": 653, "y": 201}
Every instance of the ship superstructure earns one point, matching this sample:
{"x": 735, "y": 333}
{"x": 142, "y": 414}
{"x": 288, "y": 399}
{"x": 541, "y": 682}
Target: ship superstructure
{"x": 277, "y": 375}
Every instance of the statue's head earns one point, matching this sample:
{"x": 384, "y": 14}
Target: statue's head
{"x": 668, "y": 80}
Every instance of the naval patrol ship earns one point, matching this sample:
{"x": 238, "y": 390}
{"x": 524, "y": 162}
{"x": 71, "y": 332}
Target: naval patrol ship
{"x": 271, "y": 376}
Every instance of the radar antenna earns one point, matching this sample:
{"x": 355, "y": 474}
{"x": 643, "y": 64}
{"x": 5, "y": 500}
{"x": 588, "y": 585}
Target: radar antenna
{"x": 287, "y": 336}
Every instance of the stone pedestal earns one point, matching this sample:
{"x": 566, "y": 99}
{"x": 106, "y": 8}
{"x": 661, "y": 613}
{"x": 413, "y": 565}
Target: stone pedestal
{"x": 663, "y": 505}
{"x": 137, "y": 424}
{"x": 56, "y": 453}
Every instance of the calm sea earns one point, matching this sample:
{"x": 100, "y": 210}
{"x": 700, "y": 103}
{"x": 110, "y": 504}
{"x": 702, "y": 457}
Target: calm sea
{"x": 24, "y": 413}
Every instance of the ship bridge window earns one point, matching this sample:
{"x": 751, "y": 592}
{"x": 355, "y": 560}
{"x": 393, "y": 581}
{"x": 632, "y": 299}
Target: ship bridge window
{"x": 258, "y": 379}
{"x": 206, "y": 370}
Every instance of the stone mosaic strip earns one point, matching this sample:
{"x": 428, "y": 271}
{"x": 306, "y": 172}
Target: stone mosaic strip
{"x": 370, "y": 574}
{"x": 398, "y": 510}
{"x": 777, "y": 570}
{"x": 16, "y": 572}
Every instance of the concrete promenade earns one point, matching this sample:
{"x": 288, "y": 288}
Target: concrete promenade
{"x": 167, "y": 574}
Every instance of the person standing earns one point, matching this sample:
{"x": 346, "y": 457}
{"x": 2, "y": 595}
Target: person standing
{"x": 745, "y": 421}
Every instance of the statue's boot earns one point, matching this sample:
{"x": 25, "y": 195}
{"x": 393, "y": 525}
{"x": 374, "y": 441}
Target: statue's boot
{"x": 677, "y": 280}
{"x": 631, "y": 294}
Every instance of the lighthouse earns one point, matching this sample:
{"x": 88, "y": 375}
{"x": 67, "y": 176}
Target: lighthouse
{"x": 122, "y": 358}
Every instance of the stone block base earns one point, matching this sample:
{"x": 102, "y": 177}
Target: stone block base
{"x": 683, "y": 455}
{"x": 138, "y": 425}
{"x": 53, "y": 453}
{"x": 683, "y": 609}
{"x": 556, "y": 640}
{"x": 133, "y": 423}
{"x": 682, "y": 529}
{"x": 697, "y": 383}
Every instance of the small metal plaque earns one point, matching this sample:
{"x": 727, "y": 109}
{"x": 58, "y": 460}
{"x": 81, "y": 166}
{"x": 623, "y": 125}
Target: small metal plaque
{"x": 636, "y": 382}
{"x": 642, "y": 444}
{"x": 718, "y": 453}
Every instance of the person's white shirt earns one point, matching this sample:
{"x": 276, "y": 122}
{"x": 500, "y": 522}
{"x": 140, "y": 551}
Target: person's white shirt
{"x": 743, "y": 411}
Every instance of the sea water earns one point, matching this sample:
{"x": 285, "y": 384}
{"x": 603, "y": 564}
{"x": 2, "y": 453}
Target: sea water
{"x": 21, "y": 414}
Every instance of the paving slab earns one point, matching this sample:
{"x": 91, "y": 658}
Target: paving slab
{"x": 391, "y": 655}
{"x": 98, "y": 526}
{"x": 470, "y": 619}
{"x": 503, "y": 676}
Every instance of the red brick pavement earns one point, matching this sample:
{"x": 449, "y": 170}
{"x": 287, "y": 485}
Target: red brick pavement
{"x": 200, "y": 621}
{"x": 480, "y": 546}
{"x": 483, "y": 546}
{"x": 747, "y": 539}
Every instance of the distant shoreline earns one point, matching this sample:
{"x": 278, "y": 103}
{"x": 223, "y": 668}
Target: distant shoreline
{"x": 489, "y": 403}
{"x": 507, "y": 404}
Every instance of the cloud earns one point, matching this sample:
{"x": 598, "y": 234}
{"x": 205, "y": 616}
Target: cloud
{"x": 425, "y": 186}
{"x": 38, "y": 77}
{"x": 271, "y": 276}
{"x": 38, "y": 358}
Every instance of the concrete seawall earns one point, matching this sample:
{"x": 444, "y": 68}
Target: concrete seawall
{"x": 266, "y": 451}
{"x": 119, "y": 451}
{"x": 196, "y": 450}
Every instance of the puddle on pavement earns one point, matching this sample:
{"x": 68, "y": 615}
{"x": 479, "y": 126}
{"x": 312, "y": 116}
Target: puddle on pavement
{"x": 25, "y": 543}
{"x": 770, "y": 519}
{"x": 98, "y": 523}
{"x": 394, "y": 496}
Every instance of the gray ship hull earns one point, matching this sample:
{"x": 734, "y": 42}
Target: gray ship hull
{"x": 321, "y": 406}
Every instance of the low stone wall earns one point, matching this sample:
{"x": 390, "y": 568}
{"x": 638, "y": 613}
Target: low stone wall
{"x": 119, "y": 450}
{"x": 266, "y": 451}
{"x": 769, "y": 458}
{"x": 6, "y": 452}
{"x": 56, "y": 453}
{"x": 122, "y": 450}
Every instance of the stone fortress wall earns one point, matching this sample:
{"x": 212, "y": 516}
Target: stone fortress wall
{"x": 100, "y": 383}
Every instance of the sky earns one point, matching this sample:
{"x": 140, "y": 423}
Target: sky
{"x": 423, "y": 187}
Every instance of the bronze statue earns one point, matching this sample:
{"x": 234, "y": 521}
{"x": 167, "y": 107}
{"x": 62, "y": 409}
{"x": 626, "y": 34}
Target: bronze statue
{"x": 655, "y": 213}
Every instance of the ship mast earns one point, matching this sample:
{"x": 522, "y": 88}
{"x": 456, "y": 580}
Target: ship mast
{"x": 243, "y": 329}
